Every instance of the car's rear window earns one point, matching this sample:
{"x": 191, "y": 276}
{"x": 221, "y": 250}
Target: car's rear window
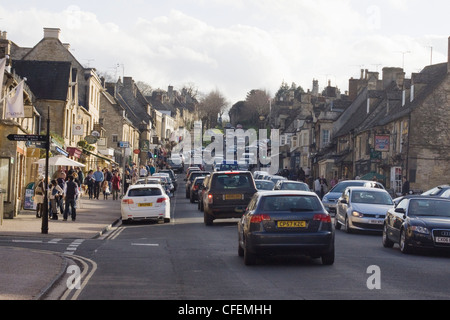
{"x": 144, "y": 192}
{"x": 291, "y": 203}
{"x": 232, "y": 181}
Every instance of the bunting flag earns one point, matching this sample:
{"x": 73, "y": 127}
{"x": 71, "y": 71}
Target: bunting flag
{"x": 14, "y": 105}
{"x": 2, "y": 73}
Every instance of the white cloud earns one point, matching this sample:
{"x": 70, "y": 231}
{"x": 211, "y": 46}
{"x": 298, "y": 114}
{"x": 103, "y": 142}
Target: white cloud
{"x": 252, "y": 44}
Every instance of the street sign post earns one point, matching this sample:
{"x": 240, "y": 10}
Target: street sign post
{"x": 27, "y": 137}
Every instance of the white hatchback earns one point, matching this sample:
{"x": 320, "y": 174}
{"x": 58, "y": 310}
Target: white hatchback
{"x": 145, "y": 202}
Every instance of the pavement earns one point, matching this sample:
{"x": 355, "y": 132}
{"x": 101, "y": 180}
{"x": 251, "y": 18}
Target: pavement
{"x": 27, "y": 274}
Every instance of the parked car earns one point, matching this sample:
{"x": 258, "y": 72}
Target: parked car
{"x": 145, "y": 202}
{"x": 287, "y": 222}
{"x": 171, "y": 173}
{"x": 330, "y": 199}
{"x": 190, "y": 180}
{"x": 291, "y": 185}
{"x": 227, "y": 195}
{"x": 264, "y": 185}
{"x": 362, "y": 208}
{"x": 439, "y": 191}
{"x": 418, "y": 223}
{"x": 195, "y": 187}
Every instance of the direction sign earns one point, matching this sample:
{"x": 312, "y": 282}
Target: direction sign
{"x": 27, "y": 137}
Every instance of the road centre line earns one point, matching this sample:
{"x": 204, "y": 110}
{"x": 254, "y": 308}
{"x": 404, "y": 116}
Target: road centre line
{"x": 145, "y": 244}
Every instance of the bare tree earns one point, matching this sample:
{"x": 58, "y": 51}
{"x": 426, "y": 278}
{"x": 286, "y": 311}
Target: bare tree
{"x": 258, "y": 101}
{"x": 145, "y": 88}
{"x": 211, "y": 107}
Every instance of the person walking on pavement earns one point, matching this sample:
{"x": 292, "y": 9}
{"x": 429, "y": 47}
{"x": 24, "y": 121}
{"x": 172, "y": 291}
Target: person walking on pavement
{"x": 71, "y": 195}
{"x": 39, "y": 190}
{"x": 55, "y": 193}
{"x": 98, "y": 178}
{"x": 90, "y": 183}
{"x": 115, "y": 185}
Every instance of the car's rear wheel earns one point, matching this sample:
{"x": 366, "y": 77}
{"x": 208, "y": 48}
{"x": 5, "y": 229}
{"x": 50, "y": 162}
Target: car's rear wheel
{"x": 249, "y": 258}
{"x": 208, "y": 219}
{"x": 328, "y": 258}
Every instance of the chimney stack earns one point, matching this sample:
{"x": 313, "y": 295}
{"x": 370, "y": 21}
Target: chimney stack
{"x": 52, "y": 33}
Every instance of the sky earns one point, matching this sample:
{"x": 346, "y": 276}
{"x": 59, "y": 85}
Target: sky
{"x": 235, "y": 46}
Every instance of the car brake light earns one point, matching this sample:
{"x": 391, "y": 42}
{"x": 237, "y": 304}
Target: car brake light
{"x": 258, "y": 218}
{"x": 322, "y": 217}
{"x": 210, "y": 198}
{"x": 161, "y": 200}
{"x": 128, "y": 201}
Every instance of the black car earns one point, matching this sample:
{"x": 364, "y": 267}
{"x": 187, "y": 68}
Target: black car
{"x": 227, "y": 194}
{"x": 286, "y": 222}
{"x": 418, "y": 222}
{"x": 190, "y": 179}
{"x": 172, "y": 176}
{"x": 195, "y": 188}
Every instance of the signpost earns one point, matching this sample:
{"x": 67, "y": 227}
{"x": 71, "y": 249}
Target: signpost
{"x": 27, "y": 137}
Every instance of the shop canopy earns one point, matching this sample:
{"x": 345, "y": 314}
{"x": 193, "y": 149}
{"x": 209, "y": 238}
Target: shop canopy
{"x": 61, "y": 161}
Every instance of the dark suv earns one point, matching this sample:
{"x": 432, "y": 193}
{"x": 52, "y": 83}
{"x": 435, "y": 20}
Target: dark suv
{"x": 227, "y": 195}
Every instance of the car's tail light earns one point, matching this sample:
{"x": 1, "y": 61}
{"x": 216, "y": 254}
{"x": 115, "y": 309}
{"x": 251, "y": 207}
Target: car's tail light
{"x": 258, "y": 218}
{"x": 128, "y": 201}
{"x": 161, "y": 200}
{"x": 210, "y": 198}
{"x": 322, "y": 217}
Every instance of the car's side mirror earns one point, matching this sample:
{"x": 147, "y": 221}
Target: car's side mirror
{"x": 400, "y": 210}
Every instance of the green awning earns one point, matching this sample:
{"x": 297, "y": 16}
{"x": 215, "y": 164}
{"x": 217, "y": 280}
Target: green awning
{"x": 371, "y": 175}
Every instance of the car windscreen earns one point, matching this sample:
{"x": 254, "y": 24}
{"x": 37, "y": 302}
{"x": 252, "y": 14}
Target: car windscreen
{"x": 232, "y": 181}
{"x": 340, "y": 187}
{"x": 294, "y": 186}
{"x": 144, "y": 192}
{"x": 194, "y": 175}
{"x": 431, "y": 207}
{"x": 264, "y": 185}
{"x": 293, "y": 203}
{"x": 370, "y": 197}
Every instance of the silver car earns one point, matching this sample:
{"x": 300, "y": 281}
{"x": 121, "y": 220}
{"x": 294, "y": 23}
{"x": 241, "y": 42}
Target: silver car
{"x": 331, "y": 198}
{"x": 364, "y": 209}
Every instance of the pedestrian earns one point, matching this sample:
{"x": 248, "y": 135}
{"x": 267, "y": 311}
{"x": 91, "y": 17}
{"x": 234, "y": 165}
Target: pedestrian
{"x": 301, "y": 176}
{"x": 152, "y": 169}
{"x": 323, "y": 187}
{"x": 39, "y": 190}
{"x": 108, "y": 177}
{"x": 62, "y": 184}
{"x": 90, "y": 182}
{"x": 317, "y": 187}
{"x": 55, "y": 193}
{"x": 80, "y": 174}
{"x": 135, "y": 176}
{"x": 71, "y": 193}
{"x": 105, "y": 189}
{"x": 98, "y": 179}
{"x": 405, "y": 187}
{"x": 143, "y": 172}
{"x": 115, "y": 185}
